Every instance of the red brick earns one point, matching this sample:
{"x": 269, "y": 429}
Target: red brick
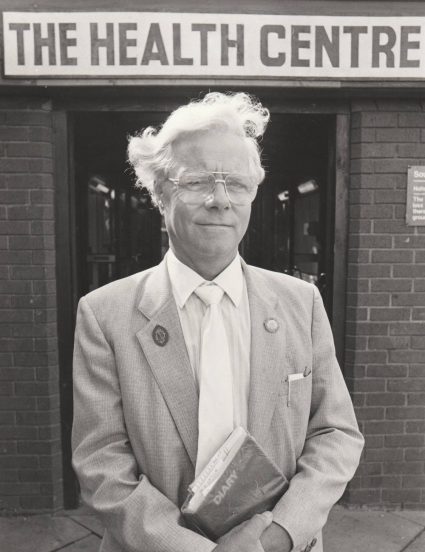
{"x": 416, "y": 119}
{"x": 390, "y": 313}
{"x": 37, "y": 503}
{"x": 29, "y": 149}
{"x": 376, "y": 120}
{"x": 28, "y": 118}
{"x": 370, "y": 270}
{"x": 415, "y": 454}
{"x": 405, "y": 413}
{"x": 369, "y": 468}
{"x": 406, "y": 356}
{"x": 371, "y": 211}
{"x": 413, "y": 481}
{"x": 11, "y": 227}
{"x": 416, "y": 398}
{"x": 385, "y": 399}
{"x": 404, "y": 440}
{"x": 13, "y": 197}
{"x": 369, "y": 241}
{"x": 369, "y": 385}
{"x": 397, "y": 135}
{"x": 409, "y": 242}
{"x": 40, "y": 134}
{"x": 418, "y": 314}
{"x": 370, "y": 413}
{"x": 368, "y": 299}
{"x": 10, "y": 133}
{"x": 391, "y": 284}
{"x": 383, "y": 427}
{"x": 30, "y": 181}
{"x": 407, "y": 328}
{"x": 384, "y": 454}
{"x": 401, "y": 495}
{"x": 381, "y": 482}
{"x": 411, "y": 150}
{"x": 409, "y": 271}
{"x": 30, "y": 212}
{"x": 390, "y": 196}
{"x": 393, "y": 227}
{"x": 419, "y": 285}
{"x": 361, "y": 196}
{"x": 416, "y": 426}
{"x": 392, "y": 256}
{"x": 418, "y": 342}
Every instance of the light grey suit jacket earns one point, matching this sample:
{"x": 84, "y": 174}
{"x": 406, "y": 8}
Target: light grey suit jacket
{"x": 135, "y": 402}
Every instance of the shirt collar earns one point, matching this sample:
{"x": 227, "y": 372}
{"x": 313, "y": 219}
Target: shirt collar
{"x": 184, "y": 280}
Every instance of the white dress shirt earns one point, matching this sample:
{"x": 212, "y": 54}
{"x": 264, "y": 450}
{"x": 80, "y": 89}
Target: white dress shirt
{"x": 235, "y": 311}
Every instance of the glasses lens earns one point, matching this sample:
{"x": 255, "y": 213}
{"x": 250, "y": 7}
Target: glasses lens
{"x": 194, "y": 187}
{"x": 240, "y": 189}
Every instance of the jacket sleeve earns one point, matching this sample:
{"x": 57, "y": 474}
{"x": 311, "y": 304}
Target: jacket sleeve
{"x": 332, "y": 447}
{"x": 133, "y": 511}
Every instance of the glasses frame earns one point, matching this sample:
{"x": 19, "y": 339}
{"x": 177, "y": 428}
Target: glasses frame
{"x": 176, "y": 182}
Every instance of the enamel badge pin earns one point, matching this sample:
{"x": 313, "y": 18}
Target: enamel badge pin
{"x": 160, "y": 335}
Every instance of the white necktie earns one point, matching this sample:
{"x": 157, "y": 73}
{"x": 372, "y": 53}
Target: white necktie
{"x": 215, "y": 416}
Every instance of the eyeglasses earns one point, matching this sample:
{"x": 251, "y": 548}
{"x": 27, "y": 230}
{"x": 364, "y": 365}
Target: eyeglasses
{"x": 197, "y": 187}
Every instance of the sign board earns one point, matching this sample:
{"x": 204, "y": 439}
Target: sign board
{"x": 415, "y": 204}
{"x": 209, "y": 45}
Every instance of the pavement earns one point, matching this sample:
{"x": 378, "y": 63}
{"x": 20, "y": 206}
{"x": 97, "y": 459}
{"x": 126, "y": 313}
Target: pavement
{"x": 346, "y": 531}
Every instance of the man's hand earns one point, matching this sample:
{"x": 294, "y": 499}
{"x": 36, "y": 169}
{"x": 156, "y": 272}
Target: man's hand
{"x": 246, "y": 536}
{"x": 276, "y": 539}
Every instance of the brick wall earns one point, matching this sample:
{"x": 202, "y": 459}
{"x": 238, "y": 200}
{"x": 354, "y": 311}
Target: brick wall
{"x": 385, "y": 332}
{"x": 30, "y": 451}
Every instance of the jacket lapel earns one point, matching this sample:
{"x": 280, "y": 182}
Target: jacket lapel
{"x": 268, "y": 353}
{"x": 163, "y": 344}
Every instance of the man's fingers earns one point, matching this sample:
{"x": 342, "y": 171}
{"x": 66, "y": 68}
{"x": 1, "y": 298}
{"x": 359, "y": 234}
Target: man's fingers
{"x": 256, "y": 525}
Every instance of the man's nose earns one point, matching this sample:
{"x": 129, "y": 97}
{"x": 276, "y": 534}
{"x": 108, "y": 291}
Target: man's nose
{"x": 218, "y": 196}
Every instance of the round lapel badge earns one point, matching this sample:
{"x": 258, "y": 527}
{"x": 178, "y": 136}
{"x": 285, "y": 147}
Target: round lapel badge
{"x": 271, "y": 325}
{"x": 160, "y": 335}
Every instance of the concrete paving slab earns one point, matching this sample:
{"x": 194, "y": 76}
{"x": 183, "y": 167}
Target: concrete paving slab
{"x": 367, "y": 531}
{"x": 39, "y": 533}
{"x": 418, "y": 545}
{"x": 411, "y": 515}
{"x": 90, "y": 522}
{"x": 88, "y": 544}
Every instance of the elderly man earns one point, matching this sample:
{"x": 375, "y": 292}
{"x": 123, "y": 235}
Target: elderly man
{"x": 170, "y": 360}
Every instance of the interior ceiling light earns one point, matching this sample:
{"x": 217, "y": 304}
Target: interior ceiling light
{"x": 308, "y": 186}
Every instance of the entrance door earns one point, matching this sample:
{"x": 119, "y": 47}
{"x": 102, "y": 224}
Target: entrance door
{"x": 118, "y": 232}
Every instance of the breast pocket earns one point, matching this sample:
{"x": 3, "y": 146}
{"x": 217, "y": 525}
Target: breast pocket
{"x": 299, "y": 388}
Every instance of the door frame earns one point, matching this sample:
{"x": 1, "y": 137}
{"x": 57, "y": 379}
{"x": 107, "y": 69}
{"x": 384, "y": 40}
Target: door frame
{"x": 66, "y": 253}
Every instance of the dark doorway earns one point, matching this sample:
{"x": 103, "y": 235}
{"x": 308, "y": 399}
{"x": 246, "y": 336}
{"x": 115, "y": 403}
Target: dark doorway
{"x": 118, "y": 232}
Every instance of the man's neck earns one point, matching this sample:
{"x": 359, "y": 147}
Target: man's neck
{"x": 206, "y": 267}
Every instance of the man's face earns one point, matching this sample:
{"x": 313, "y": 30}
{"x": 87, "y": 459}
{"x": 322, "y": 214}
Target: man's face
{"x": 212, "y": 229}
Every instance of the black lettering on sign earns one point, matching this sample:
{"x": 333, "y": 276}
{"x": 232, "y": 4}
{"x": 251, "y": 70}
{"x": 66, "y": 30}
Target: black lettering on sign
{"x": 154, "y": 41}
{"x": 297, "y": 44}
{"x": 20, "y": 28}
{"x": 237, "y": 43}
{"x": 41, "y": 42}
{"x": 385, "y": 48}
{"x": 65, "y": 42}
{"x": 125, "y": 42}
{"x": 330, "y": 45}
{"x": 266, "y": 58}
{"x": 204, "y": 29}
{"x": 97, "y": 43}
{"x": 355, "y": 33}
{"x": 406, "y": 45}
{"x": 177, "y": 47}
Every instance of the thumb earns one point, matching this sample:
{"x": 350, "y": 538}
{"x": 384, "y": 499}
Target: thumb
{"x": 256, "y": 525}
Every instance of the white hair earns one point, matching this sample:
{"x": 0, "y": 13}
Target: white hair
{"x": 150, "y": 152}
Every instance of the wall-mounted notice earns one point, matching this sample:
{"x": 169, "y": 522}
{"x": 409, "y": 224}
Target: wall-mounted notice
{"x": 209, "y": 45}
{"x": 415, "y": 205}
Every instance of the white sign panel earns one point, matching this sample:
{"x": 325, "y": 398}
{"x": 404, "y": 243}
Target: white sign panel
{"x": 150, "y": 44}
